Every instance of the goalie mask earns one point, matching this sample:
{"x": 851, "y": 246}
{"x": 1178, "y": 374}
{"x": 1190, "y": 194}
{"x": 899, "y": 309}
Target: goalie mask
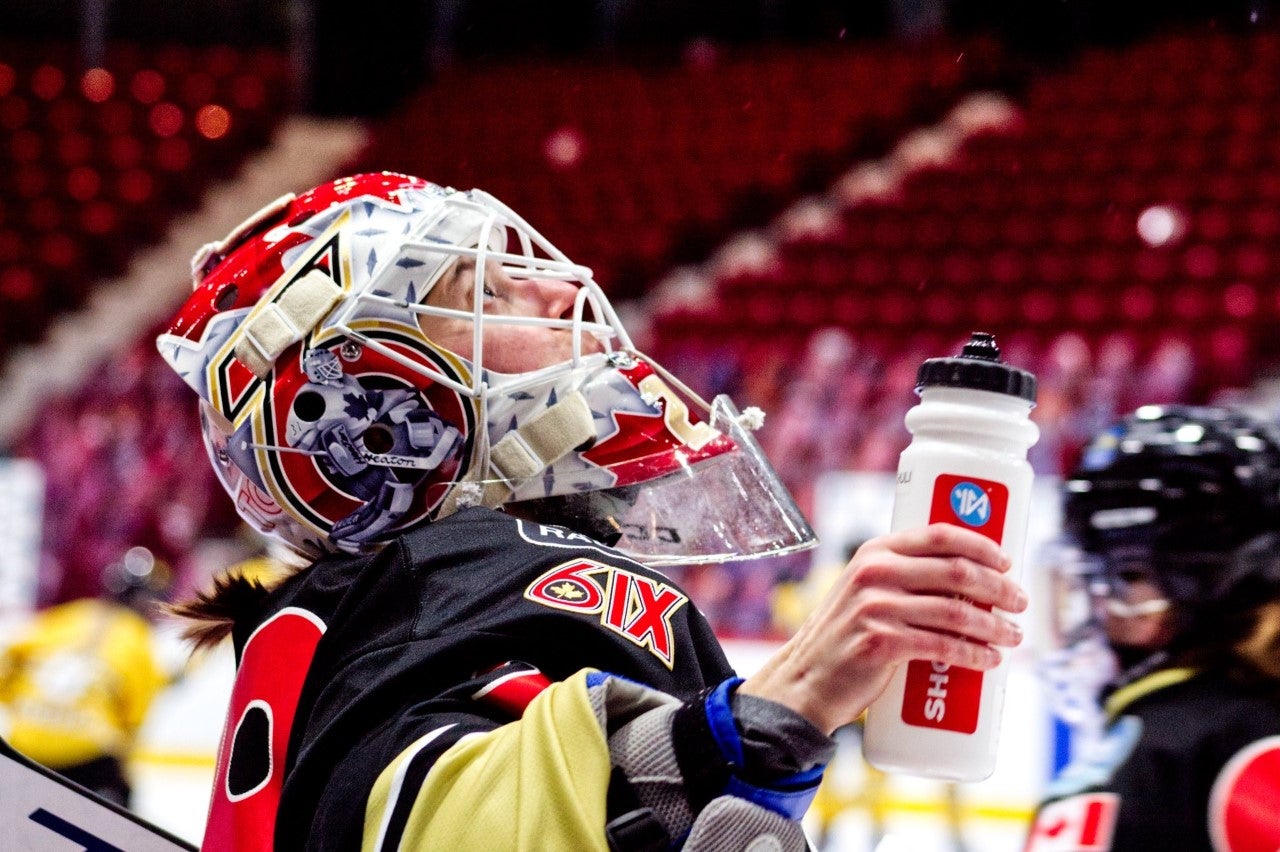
{"x": 381, "y": 351}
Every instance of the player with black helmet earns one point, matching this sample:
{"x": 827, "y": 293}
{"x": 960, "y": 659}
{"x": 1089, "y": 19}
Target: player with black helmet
{"x": 1173, "y": 516}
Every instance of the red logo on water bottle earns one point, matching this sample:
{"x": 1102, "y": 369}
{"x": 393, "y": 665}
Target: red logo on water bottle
{"x": 938, "y": 695}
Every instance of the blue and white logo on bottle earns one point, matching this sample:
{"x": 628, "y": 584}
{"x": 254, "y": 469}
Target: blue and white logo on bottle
{"x": 971, "y": 504}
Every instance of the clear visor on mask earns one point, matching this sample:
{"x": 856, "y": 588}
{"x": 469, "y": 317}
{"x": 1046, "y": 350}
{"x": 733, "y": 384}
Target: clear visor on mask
{"x": 728, "y": 507}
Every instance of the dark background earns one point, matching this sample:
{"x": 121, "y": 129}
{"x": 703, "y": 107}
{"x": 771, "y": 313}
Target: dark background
{"x": 375, "y": 51}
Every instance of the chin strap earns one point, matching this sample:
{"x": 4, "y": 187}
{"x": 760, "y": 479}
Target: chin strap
{"x": 525, "y": 452}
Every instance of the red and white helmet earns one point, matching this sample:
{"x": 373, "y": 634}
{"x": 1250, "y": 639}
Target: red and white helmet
{"x": 336, "y": 423}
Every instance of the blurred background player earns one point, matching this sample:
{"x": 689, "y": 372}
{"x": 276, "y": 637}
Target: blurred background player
{"x": 77, "y": 681}
{"x": 1176, "y": 514}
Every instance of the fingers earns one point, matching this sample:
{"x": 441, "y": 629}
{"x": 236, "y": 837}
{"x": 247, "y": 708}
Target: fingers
{"x": 947, "y": 540}
{"x": 921, "y": 594}
{"x": 949, "y": 650}
{"x": 929, "y": 593}
{"x": 940, "y": 559}
{"x": 964, "y": 620}
{"x": 893, "y": 626}
{"x": 956, "y": 575}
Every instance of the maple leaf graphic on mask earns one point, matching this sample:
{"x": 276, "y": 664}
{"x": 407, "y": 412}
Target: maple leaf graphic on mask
{"x": 362, "y": 406}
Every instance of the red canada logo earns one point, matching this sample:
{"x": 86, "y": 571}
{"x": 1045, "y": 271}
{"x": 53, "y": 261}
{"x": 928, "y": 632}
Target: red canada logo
{"x": 630, "y": 605}
{"x": 1081, "y": 823}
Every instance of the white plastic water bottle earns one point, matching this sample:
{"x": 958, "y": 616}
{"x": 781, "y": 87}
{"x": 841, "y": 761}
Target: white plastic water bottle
{"x": 966, "y": 465}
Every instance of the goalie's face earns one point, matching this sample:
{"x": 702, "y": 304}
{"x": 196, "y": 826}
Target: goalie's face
{"x": 508, "y": 347}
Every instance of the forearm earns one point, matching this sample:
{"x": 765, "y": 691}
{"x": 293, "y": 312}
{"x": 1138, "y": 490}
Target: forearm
{"x": 799, "y": 688}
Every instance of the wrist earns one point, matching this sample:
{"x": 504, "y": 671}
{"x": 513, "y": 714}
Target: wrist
{"x": 778, "y": 744}
{"x": 796, "y": 692}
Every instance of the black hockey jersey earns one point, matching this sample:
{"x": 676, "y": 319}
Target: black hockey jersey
{"x": 1190, "y": 762}
{"x": 442, "y": 634}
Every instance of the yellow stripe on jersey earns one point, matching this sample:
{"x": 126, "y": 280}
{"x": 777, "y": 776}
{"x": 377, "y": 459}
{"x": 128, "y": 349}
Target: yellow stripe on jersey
{"x": 538, "y": 783}
{"x": 1126, "y": 695}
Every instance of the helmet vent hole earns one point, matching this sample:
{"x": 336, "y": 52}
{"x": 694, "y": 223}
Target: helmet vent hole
{"x": 226, "y": 297}
{"x": 377, "y": 439}
{"x": 308, "y": 406}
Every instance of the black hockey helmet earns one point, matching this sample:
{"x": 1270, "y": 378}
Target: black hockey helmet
{"x": 1190, "y": 494}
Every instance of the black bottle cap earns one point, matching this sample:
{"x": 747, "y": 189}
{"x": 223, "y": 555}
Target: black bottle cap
{"x": 978, "y": 367}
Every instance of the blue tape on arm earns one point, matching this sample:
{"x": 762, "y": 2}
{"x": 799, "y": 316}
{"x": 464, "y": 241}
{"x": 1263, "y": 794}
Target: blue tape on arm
{"x": 720, "y": 719}
{"x": 790, "y": 797}
{"x": 597, "y": 678}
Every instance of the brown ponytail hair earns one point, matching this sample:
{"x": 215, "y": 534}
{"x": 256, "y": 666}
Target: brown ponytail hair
{"x": 236, "y": 595}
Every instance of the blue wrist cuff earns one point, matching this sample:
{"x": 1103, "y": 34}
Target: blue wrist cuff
{"x": 790, "y": 796}
{"x": 790, "y": 803}
{"x": 720, "y": 719}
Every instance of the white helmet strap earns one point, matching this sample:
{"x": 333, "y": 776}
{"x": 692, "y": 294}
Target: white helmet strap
{"x": 274, "y": 326}
{"x": 527, "y": 451}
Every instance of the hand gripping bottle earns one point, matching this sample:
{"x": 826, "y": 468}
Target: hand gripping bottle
{"x": 966, "y": 465}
